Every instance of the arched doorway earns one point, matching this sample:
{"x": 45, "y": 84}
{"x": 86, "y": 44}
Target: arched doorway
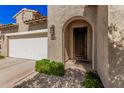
{"x": 78, "y": 40}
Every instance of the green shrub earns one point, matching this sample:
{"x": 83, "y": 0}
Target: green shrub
{"x": 40, "y": 65}
{"x": 50, "y": 68}
{"x": 92, "y": 80}
{"x": 47, "y": 69}
{"x": 1, "y": 57}
{"x": 55, "y": 68}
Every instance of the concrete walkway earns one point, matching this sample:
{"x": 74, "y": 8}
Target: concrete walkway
{"x": 82, "y": 66}
{"x": 14, "y": 69}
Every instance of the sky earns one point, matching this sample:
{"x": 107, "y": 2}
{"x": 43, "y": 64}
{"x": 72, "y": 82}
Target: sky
{"x": 8, "y": 11}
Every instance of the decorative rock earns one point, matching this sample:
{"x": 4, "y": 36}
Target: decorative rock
{"x": 71, "y": 79}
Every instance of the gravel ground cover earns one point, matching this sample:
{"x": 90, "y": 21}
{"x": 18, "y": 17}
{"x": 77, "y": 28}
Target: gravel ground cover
{"x": 71, "y": 79}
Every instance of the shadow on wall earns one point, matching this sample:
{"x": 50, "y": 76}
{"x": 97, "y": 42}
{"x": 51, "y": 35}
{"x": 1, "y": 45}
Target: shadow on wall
{"x": 116, "y": 56}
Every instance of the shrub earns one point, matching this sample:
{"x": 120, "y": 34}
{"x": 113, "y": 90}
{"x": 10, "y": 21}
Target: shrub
{"x": 55, "y": 68}
{"x": 92, "y": 80}
{"x": 50, "y": 67}
{"x": 47, "y": 69}
{"x": 40, "y": 64}
{"x": 1, "y": 57}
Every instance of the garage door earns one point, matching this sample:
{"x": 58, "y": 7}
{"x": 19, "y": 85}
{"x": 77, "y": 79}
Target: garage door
{"x": 29, "y": 48}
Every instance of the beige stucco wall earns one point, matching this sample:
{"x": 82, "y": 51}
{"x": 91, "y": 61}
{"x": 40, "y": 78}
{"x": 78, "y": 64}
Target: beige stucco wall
{"x": 38, "y": 26}
{"x": 116, "y": 46}
{"x": 4, "y": 40}
{"x": 102, "y": 43}
{"x": 110, "y": 58}
{"x": 19, "y": 20}
{"x": 58, "y": 16}
{"x": 4, "y": 46}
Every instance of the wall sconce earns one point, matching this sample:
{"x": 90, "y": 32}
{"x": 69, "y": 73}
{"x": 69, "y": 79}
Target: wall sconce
{"x": 52, "y": 32}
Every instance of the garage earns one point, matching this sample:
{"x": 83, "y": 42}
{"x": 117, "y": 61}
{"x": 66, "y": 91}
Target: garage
{"x": 29, "y": 48}
{"x": 28, "y": 45}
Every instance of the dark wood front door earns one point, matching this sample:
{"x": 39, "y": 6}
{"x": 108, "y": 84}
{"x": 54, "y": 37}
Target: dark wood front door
{"x": 80, "y": 43}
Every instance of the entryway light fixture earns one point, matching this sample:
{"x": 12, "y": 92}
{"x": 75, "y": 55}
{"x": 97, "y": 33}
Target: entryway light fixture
{"x": 52, "y": 32}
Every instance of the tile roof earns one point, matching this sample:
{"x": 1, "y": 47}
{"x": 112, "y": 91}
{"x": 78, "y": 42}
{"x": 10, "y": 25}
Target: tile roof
{"x": 3, "y": 26}
{"x": 41, "y": 19}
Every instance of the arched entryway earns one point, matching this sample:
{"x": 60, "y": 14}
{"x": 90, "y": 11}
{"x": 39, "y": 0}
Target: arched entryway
{"x": 78, "y": 40}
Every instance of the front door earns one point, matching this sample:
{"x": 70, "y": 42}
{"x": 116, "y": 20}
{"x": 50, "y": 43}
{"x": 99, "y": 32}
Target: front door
{"x": 80, "y": 43}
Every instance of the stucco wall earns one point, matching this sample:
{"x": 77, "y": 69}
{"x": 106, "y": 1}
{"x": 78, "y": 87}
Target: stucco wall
{"x": 3, "y": 39}
{"x": 116, "y": 46}
{"x": 102, "y": 43}
{"x": 58, "y": 16}
{"x": 38, "y": 26}
{"x": 22, "y": 17}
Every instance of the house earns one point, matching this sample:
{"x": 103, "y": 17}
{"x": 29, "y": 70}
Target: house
{"x": 23, "y": 38}
{"x": 85, "y": 33}
{"x": 92, "y": 33}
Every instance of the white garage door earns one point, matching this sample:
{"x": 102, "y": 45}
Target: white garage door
{"x": 29, "y": 48}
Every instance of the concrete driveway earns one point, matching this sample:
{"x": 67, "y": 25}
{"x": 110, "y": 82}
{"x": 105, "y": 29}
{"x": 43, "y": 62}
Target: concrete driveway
{"x": 14, "y": 69}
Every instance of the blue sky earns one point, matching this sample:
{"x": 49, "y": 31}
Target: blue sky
{"x": 8, "y": 11}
